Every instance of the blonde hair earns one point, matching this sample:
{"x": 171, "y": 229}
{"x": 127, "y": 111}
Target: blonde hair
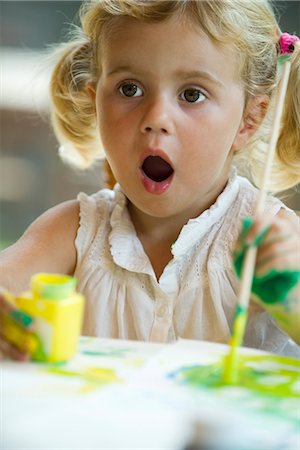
{"x": 248, "y": 27}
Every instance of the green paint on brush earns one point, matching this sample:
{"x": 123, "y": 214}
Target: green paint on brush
{"x": 231, "y": 369}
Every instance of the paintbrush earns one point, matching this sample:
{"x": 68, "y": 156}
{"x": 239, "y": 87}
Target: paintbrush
{"x": 230, "y": 375}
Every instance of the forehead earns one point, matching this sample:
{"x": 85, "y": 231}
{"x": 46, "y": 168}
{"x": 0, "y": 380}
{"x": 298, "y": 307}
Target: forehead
{"x": 171, "y": 42}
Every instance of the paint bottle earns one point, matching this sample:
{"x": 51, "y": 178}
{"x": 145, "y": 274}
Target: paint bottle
{"x": 57, "y": 310}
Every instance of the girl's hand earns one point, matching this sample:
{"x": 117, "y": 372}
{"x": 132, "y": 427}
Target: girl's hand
{"x": 16, "y": 330}
{"x": 278, "y": 241}
{"x": 276, "y": 283}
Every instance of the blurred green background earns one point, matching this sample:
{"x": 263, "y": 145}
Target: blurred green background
{"x": 32, "y": 176}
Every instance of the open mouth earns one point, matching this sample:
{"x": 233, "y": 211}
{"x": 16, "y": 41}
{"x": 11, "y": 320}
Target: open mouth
{"x": 157, "y": 169}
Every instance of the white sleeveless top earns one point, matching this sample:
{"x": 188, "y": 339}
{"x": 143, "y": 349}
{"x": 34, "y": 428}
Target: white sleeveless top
{"x": 195, "y": 296}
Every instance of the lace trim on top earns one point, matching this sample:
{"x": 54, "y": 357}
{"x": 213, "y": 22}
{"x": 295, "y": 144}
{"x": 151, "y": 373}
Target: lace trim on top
{"x": 126, "y": 249}
{"x": 91, "y": 216}
{"x": 193, "y": 231}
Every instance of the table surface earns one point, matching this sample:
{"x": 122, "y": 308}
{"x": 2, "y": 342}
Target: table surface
{"x": 117, "y": 394}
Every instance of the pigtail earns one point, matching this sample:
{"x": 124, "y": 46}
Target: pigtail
{"x": 73, "y": 111}
{"x": 286, "y": 166}
{"x": 288, "y": 149}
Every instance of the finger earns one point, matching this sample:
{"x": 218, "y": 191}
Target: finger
{"x": 9, "y": 350}
{"x": 278, "y": 256}
{"x": 252, "y": 232}
{"x": 17, "y": 335}
{"x": 279, "y": 252}
{"x": 279, "y": 231}
{"x": 24, "y": 343}
{"x": 5, "y": 305}
{"x": 274, "y": 242}
{"x": 281, "y": 263}
{"x": 259, "y": 224}
{"x": 22, "y": 319}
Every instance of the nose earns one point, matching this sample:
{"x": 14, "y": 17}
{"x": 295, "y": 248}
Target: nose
{"x": 157, "y": 117}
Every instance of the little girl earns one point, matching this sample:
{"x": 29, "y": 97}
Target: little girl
{"x": 174, "y": 92}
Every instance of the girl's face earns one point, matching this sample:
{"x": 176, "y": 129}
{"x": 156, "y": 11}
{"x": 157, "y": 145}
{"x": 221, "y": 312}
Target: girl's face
{"x": 170, "y": 114}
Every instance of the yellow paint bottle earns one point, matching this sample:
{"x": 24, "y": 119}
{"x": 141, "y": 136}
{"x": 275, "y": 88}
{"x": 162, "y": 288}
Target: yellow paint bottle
{"x": 57, "y": 310}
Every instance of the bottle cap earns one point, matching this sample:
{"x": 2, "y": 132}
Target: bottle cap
{"x": 52, "y": 285}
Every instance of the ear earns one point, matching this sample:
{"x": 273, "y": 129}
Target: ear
{"x": 90, "y": 87}
{"x": 91, "y": 92}
{"x": 253, "y": 116}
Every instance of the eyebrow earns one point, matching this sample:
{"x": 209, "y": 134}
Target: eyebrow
{"x": 199, "y": 74}
{"x": 182, "y": 74}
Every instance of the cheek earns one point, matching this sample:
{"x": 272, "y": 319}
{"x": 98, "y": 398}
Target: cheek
{"x": 208, "y": 135}
{"x": 106, "y": 126}
{"x": 220, "y": 132}
{"x": 207, "y": 146}
{"x": 113, "y": 125}
{"x": 113, "y": 140}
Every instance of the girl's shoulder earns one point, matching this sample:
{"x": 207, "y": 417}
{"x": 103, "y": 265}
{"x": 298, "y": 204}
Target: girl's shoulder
{"x": 46, "y": 246}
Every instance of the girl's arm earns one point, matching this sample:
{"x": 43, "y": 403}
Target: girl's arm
{"x": 46, "y": 246}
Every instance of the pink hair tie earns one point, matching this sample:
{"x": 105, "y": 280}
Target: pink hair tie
{"x": 286, "y": 47}
{"x": 286, "y": 43}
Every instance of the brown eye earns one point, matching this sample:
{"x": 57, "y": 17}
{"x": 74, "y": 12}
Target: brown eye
{"x": 130, "y": 90}
{"x": 193, "y": 95}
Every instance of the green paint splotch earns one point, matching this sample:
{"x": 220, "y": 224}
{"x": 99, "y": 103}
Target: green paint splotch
{"x": 92, "y": 377}
{"x": 267, "y": 385}
{"x": 112, "y": 353}
{"x": 265, "y": 374}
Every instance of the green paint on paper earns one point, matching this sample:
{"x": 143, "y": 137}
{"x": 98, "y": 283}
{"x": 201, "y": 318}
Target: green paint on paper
{"x": 269, "y": 385}
{"x": 268, "y": 374}
{"x": 114, "y": 353}
{"x": 64, "y": 372}
{"x": 93, "y": 377}
{"x": 55, "y": 364}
